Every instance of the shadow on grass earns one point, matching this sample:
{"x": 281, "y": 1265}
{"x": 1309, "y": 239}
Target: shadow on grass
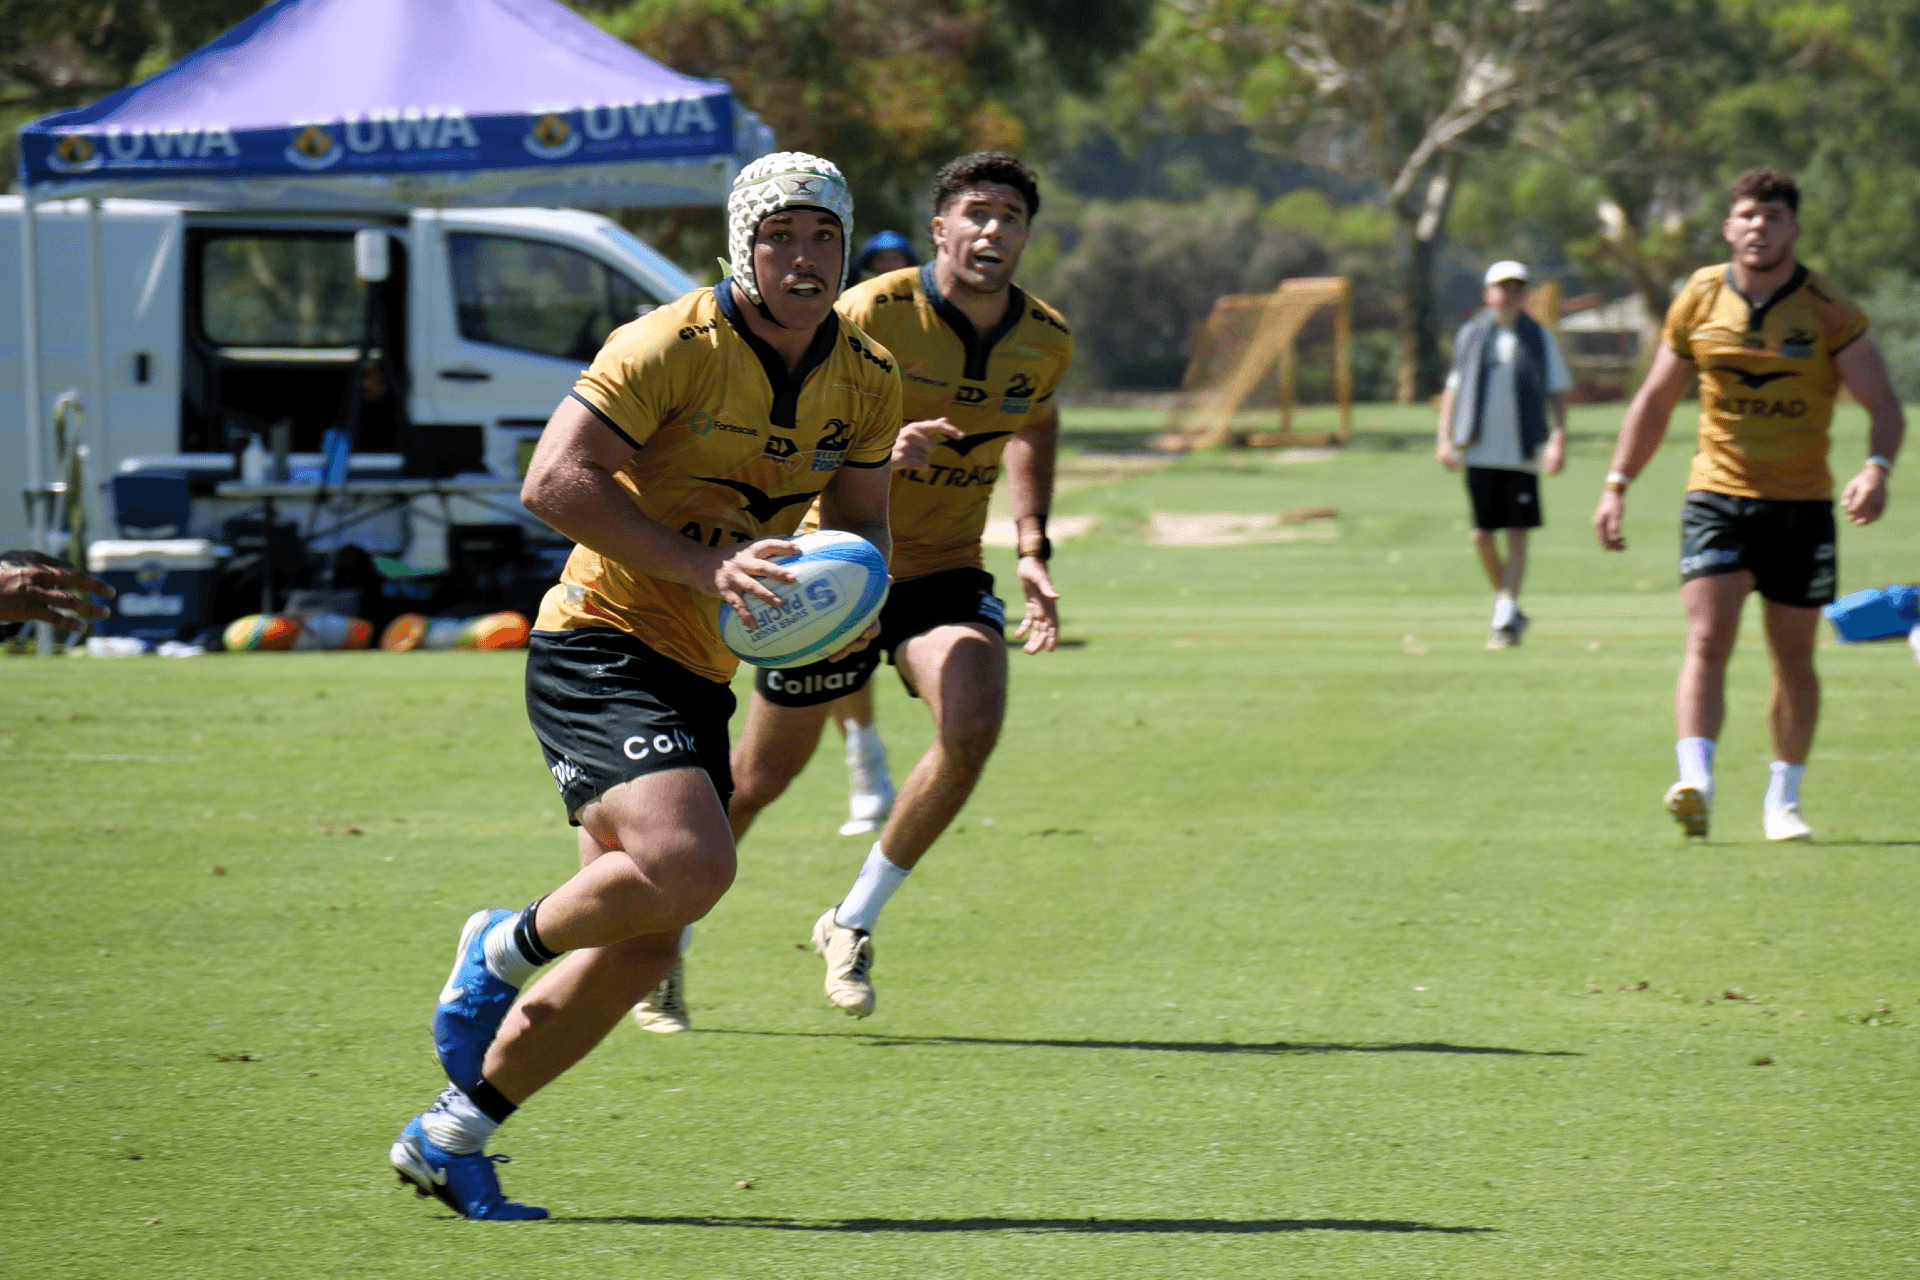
{"x": 1034, "y": 1226}
{"x": 1157, "y": 1046}
{"x": 1870, "y": 844}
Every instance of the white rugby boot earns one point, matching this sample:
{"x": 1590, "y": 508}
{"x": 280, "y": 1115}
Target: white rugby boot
{"x": 849, "y": 955}
{"x": 664, "y": 1011}
{"x": 1690, "y": 807}
{"x": 1783, "y": 822}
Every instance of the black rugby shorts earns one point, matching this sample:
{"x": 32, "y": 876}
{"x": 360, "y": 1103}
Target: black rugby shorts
{"x": 607, "y": 709}
{"x": 913, "y": 607}
{"x": 1788, "y": 547}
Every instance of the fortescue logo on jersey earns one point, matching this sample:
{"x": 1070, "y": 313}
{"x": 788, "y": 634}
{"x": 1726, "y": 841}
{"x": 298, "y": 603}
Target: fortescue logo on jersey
{"x": 1707, "y": 559}
{"x": 702, "y": 422}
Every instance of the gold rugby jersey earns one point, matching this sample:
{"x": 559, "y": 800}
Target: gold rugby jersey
{"x": 1767, "y": 381}
{"x": 731, "y": 448}
{"x": 988, "y": 385}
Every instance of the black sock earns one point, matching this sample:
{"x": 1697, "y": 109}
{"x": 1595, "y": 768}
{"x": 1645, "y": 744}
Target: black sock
{"x": 493, "y": 1104}
{"x": 527, "y": 937}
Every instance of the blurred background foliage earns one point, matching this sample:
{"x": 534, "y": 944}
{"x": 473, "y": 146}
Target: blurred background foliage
{"x": 1197, "y": 147}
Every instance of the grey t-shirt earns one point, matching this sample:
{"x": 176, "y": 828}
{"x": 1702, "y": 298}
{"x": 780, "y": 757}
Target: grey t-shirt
{"x": 1499, "y": 442}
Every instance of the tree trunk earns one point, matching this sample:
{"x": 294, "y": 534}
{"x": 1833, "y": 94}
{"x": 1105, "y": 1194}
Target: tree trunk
{"x": 1422, "y": 369}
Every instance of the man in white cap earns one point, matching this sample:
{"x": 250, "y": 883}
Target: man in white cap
{"x": 1503, "y": 414}
{"x": 684, "y": 457}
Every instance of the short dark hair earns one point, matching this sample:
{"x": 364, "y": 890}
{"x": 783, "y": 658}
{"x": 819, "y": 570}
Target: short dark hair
{"x": 1764, "y": 185}
{"x": 976, "y": 167}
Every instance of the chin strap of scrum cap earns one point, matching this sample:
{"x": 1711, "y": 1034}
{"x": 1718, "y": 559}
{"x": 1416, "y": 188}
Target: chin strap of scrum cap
{"x": 784, "y": 180}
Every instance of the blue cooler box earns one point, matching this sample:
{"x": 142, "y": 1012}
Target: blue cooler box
{"x": 162, "y": 584}
{"x": 1878, "y": 613}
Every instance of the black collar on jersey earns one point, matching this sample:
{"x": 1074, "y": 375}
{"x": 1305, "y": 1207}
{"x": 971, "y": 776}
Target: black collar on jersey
{"x": 1757, "y": 315}
{"x": 786, "y": 386}
{"x": 978, "y": 349}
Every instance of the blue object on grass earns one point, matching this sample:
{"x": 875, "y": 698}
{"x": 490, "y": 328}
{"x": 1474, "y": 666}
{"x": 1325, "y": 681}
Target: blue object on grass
{"x": 1878, "y": 613}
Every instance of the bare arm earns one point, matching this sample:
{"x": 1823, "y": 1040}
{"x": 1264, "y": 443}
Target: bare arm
{"x": 1029, "y": 462}
{"x": 570, "y": 485}
{"x": 1864, "y": 371}
{"x": 1556, "y": 459}
{"x": 1640, "y": 434}
{"x": 856, "y": 500}
{"x": 1443, "y": 448}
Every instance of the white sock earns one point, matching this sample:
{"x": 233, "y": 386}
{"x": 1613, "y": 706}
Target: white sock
{"x": 1783, "y": 788}
{"x": 877, "y": 880}
{"x": 505, "y": 960}
{"x": 866, "y": 754}
{"x": 455, "y": 1124}
{"x": 1504, "y": 607}
{"x": 1696, "y": 763}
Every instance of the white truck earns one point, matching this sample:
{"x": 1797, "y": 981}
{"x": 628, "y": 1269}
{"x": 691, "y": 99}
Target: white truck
{"x": 220, "y": 325}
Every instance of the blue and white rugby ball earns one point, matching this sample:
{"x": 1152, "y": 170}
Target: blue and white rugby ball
{"x": 842, "y": 584}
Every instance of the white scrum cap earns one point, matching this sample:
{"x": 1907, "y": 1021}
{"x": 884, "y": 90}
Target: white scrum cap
{"x": 784, "y": 180}
{"x": 1508, "y": 269}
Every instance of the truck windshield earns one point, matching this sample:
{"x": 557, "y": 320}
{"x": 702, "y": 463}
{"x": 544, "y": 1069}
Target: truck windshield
{"x": 536, "y": 296}
{"x": 281, "y": 291}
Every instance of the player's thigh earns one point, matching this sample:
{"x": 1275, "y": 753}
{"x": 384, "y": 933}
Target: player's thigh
{"x": 671, "y": 824}
{"x": 777, "y": 740}
{"x": 1791, "y": 634}
{"x": 1713, "y": 603}
{"x": 961, "y": 671}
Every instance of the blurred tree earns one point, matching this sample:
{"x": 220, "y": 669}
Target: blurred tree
{"x": 887, "y": 89}
{"x": 1398, "y": 91}
{"x": 57, "y": 55}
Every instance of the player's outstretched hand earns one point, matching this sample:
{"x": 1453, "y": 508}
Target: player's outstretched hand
{"x": 36, "y": 588}
{"x": 734, "y": 573}
{"x": 1606, "y": 520}
{"x": 1040, "y": 628}
{"x": 1865, "y": 496}
{"x": 915, "y": 443}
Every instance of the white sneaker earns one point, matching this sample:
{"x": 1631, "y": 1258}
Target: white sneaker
{"x": 871, "y": 798}
{"x": 664, "y": 1011}
{"x": 849, "y": 954}
{"x": 1690, "y": 807}
{"x": 1785, "y": 823}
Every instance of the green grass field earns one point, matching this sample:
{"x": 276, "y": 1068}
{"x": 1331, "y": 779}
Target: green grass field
{"x": 1291, "y": 933}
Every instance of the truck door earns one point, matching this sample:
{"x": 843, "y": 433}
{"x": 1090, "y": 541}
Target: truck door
{"x": 507, "y": 330}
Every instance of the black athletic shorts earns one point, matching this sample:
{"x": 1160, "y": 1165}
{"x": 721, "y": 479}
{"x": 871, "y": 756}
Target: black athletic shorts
{"x": 607, "y": 709}
{"x": 1787, "y": 546}
{"x": 1504, "y": 499}
{"x": 914, "y": 606}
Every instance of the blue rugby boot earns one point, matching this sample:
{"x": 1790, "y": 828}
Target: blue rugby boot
{"x": 465, "y": 1184}
{"x": 472, "y": 1004}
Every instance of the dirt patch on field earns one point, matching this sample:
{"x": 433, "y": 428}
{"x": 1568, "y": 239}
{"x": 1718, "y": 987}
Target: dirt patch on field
{"x": 1166, "y": 529}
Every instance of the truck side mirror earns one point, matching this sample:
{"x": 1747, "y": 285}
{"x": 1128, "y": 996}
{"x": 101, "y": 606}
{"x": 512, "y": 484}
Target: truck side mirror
{"x": 370, "y": 255}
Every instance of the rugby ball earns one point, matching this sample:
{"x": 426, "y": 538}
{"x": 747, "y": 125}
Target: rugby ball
{"x": 504, "y": 630}
{"x": 842, "y": 584}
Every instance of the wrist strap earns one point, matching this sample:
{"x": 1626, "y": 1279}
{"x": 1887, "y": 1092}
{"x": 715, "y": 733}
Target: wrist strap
{"x": 1034, "y": 541}
{"x": 1618, "y": 481}
{"x": 1885, "y": 464}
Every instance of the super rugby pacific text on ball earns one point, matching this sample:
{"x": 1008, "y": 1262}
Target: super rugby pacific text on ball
{"x": 842, "y": 584}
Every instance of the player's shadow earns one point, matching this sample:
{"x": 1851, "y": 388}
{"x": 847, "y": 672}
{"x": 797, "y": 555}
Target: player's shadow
{"x": 1033, "y": 1226}
{"x": 1870, "y": 844}
{"x": 879, "y": 1041}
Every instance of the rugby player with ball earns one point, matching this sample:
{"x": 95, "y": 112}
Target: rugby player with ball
{"x": 981, "y": 360}
{"x": 684, "y": 457}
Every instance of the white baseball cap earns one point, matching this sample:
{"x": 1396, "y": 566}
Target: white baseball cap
{"x": 1505, "y": 270}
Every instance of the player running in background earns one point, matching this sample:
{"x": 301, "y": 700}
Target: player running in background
{"x": 981, "y": 360}
{"x": 683, "y": 458}
{"x": 1771, "y": 343}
